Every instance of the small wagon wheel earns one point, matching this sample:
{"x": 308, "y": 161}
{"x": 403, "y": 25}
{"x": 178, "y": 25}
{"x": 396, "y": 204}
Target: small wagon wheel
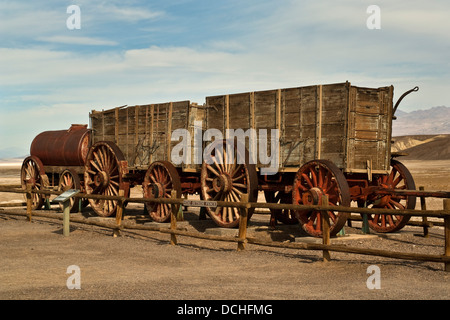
{"x": 69, "y": 179}
{"x": 103, "y": 175}
{"x": 313, "y": 180}
{"x": 284, "y": 216}
{"x": 32, "y": 172}
{"x": 225, "y": 177}
{"x": 159, "y": 181}
{"x": 398, "y": 179}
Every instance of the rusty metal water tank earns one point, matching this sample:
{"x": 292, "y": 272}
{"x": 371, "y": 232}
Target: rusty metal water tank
{"x": 63, "y": 147}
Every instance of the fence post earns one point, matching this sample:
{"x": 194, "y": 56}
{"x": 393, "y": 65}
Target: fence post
{"x": 180, "y": 214}
{"x": 29, "y": 201}
{"x": 365, "y": 222}
{"x": 447, "y": 234}
{"x": 325, "y": 228}
{"x": 243, "y": 216}
{"x": 173, "y": 219}
{"x": 119, "y": 214}
{"x": 66, "y": 217}
{"x": 423, "y": 206}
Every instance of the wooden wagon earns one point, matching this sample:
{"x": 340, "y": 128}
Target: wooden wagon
{"x": 332, "y": 140}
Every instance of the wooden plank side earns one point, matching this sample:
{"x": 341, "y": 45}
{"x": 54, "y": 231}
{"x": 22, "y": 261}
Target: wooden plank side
{"x": 334, "y": 120}
{"x": 160, "y": 127}
{"x": 239, "y": 111}
{"x": 215, "y": 113}
{"x": 308, "y": 124}
{"x": 266, "y": 118}
{"x": 370, "y": 124}
{"x": 96, "y": 125}
{"x": 290, "y": 127}
{"x": 109, "y": 123}
{"x": 179, "y": 120}
{"x": 196, "y": 125}
{"x": 142, "y": 137}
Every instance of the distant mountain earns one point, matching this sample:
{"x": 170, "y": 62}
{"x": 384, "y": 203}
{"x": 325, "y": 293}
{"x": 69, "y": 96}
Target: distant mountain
{"x": 423, "y": 147}
{"x": 422, "y": 122}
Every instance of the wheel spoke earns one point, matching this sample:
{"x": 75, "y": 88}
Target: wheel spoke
{"x": 212, "y": 170}
{"x": 390, "y": 219}
{"x": 99, "y": 163}
{"x": 376, "y": 218}
{"x": 314, "y": 176}
{"x": 239, "y": 178}
{"x": 307, "y": 180}
{"x": 238, "y": 168}
{"x": 397, "y": 181}
{"x": 95, "y": 165}
{"x": 217, "y": 196}
{"x": 240, "y": 185}
{"x": 396, "y": 204}
{"x": 237, "y": 191}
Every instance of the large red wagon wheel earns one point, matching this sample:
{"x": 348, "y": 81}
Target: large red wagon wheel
{"x": 69, "y": 179}
{"x": 103, "y": 175}
{"x": 314, "y": 180}
{"x": 398, "y": 179}
{"x": 160, "y": 179}
{"x": 32, "y": 172}
{"x": 225, "y": 178}
{"x": 283, "y": 215}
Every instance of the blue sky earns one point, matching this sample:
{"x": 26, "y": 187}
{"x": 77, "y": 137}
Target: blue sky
{"x": 138, "y": 52}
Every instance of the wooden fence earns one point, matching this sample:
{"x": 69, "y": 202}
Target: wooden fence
{"x": 242, "y": 239}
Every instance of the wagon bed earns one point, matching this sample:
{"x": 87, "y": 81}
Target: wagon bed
{"x": 348, "y": 125}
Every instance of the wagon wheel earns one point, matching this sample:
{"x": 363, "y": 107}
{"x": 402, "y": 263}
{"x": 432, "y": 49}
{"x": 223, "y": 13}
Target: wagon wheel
{"x": 160, "y": 179}
{"x": 69, "y": 179}
{"x": 312, "y": 181}
{"x": 33, "y": 172}
{"x": 103, "y": 174}
{"x": 284, "y": 216}
{"x": 226, "y": 178}
{"x": 398, "y": 179}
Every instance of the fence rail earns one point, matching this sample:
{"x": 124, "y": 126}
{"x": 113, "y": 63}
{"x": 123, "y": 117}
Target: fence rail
{"x": 242, "y": 239}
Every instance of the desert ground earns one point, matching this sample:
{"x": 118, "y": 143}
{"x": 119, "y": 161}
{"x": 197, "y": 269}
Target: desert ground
{"x": 35, "y": 257}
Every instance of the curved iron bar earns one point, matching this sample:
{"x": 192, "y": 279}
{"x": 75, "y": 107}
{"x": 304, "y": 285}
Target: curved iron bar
{"x": 415, "y": 89}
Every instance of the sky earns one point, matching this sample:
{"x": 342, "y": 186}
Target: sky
{"x": 134, "y": 52}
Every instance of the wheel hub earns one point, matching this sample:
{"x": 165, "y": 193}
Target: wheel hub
{"x": 222, "y": 183}
{"x": 101, "y": 179}
{"x": 312, "y": 197}
{"x": 384, "y": 200}
{"x": 156, "y": 190}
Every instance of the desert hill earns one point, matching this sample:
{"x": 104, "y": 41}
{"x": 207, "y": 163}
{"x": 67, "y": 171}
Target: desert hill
{"x": 431, "y": 121}
{"x": 423, "y": 147}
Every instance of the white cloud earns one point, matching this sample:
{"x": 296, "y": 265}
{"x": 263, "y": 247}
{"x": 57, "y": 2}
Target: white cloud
{"x": 28, "y": 19}
{"x": 131, "y": 14}
{"x": 75, "y": 40}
